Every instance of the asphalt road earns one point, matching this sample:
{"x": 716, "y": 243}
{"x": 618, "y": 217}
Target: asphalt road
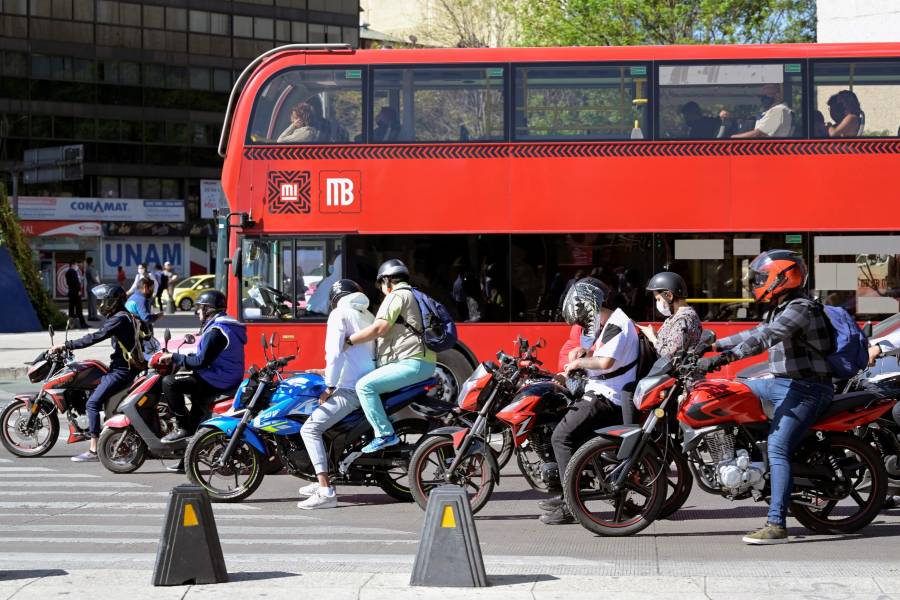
{"x": 59, "y": 514}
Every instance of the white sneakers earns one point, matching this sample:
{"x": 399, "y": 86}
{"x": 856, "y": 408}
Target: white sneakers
{"x": 318, "y": 499}
{"x": 308, "y": 490}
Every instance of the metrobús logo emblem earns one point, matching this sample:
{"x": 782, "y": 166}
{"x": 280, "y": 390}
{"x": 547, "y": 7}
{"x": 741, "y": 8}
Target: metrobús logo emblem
{"x": 340, "y": 191}
{"x": 288, "y": 192}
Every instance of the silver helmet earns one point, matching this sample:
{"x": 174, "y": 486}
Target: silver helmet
{"x": 582, "y": 304}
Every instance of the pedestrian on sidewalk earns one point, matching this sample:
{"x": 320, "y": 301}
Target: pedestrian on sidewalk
{"x": 73, "y": 283}
{"x": 92, "y": 279}
{"x": 171, "y": 278}
{"x": 161, "y": 284}
{"x": 120, "y": 276}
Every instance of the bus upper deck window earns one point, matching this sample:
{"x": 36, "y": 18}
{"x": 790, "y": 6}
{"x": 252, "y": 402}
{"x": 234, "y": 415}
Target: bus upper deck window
{"x": 309, "y": 106}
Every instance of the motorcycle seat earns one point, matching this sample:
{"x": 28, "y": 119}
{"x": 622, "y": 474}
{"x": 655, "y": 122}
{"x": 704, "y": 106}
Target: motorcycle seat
{"x": 409, "y": 388}
{"x": 850, "y": 401}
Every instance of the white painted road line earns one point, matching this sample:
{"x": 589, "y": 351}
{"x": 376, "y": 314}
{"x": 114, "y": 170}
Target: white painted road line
{"x": 236, "y": 542}
{"x": 156, "y": 516}
{"x": 249, "y": 531}
{"x": 79, "y": 484}
{"x": 48, "y": 475}
{"x": 81, "y": 493}
{"x": 161, "y": 506}
{"x": 26, "y": 470}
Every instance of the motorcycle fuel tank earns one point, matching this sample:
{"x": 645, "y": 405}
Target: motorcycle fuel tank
{"x": 719, "y": 401}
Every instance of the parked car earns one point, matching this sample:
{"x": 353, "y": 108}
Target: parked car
{"x": 187, "y": 290}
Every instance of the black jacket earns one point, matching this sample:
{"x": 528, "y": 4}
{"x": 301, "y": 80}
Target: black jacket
{"x": 73, "y": 282}
{"x": 120, "y": 329}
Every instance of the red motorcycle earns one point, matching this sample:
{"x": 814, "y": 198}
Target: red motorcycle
{"x": 143, "y": 418}
{"x": 615, "y": 484}
{"x": 30, "y": 423}
{"x": 515, "y": 393}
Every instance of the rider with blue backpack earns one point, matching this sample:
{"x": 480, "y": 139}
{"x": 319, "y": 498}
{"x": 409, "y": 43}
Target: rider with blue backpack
{"x": 808, "y": 345}
{"x": 409, "y": 328}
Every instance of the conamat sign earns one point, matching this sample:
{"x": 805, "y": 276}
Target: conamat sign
{"x": 35, "y": 208}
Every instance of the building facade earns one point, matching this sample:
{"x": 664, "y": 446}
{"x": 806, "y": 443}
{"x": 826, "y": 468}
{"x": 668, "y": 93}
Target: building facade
{"x": 143, "y": 86}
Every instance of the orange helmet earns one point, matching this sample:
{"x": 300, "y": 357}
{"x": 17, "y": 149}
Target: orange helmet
{"x": 774, "y": 272}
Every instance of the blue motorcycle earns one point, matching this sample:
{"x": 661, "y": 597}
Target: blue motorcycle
{"x": 230, "y": 454}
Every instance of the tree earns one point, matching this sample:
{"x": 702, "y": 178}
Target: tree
{"x": 634, "y": 22}
{"x": 469, "y": 23}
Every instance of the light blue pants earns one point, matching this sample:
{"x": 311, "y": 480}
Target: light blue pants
{"x": 387, "y": 379}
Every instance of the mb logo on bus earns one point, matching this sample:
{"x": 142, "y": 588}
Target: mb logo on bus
{"x": 340, "y": 191}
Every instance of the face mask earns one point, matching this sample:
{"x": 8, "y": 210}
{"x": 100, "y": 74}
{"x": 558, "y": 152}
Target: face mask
{"x": 663, "y": 307}
{"x": 767, "y": 101}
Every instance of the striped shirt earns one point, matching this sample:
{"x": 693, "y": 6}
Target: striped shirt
{"x": 797, "y": 337}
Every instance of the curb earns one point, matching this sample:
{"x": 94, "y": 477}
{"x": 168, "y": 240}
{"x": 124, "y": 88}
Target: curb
{"x": 13, "y": 373}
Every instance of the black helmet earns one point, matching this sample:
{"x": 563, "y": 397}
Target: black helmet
{"x": 392, "y": 268}
{"x": 341, "y": 288}
{"x": 582, "y": 303}
{"x": 110, "y": 298}
{"x": 213, "y": 299}
{"x": 668, "y": 282}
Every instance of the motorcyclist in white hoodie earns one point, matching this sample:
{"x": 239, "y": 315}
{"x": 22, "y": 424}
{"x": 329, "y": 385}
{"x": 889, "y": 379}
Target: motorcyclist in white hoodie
{"x": 343, "y": 368}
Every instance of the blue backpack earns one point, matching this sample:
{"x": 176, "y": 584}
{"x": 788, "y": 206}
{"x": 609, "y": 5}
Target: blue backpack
{"x": 440, "y": 329}
{"x": 849, "y": 352}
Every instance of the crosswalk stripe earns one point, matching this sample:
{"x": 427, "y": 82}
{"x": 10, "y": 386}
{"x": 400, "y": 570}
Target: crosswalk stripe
{"x": 157, "y": 516}
{"x": 79, "y": 484}
{"x": 238, "y": 529}
{"x": 161, "y": 506}
{"x": 5, "y": 460}
{"x": 81, "y": 493}
{"x": 236, "y": 542}
{"x": 46, "y": 475}
{"x": 26, "y": 470}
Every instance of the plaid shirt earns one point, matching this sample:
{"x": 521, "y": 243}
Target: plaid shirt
{"x": 792, "y": 327}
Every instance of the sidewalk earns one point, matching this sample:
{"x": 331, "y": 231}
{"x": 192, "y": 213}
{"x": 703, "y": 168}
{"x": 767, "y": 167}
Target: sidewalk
{"x": 276, "y": 585}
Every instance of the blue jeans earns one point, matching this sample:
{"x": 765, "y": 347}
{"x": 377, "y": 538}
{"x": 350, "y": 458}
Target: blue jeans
{"x": 798, "y": 403}
{"x": 387, "y": 379}
{"x": 110, "y": 384}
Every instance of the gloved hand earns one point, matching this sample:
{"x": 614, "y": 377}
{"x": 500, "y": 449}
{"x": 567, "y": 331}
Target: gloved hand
{"x": 714, "y": 363}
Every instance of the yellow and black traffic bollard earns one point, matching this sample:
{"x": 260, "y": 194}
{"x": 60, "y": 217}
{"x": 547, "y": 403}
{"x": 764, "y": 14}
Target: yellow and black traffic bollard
{"x": 189, "y": 551}
{"x": 449, "y": 554}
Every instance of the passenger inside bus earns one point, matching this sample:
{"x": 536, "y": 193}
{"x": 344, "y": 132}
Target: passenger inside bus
{"x": 387, "y": 125}
{"x": 300, "y": 130}
{"x": 776, "y": 120}
{"x": 847, "y": 117}
{"x": 699, "y": 125}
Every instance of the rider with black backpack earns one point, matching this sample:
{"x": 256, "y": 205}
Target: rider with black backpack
{"x": 126, "y": 361}
{"x": 410, "y": 328}
{"x": 612, "y": 369}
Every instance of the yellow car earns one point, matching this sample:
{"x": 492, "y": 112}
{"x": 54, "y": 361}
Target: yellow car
{"x": 187, "y": 290}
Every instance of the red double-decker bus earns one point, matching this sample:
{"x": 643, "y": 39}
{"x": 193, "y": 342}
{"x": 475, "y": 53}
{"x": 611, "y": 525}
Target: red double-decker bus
{"x": 501, "y": 175}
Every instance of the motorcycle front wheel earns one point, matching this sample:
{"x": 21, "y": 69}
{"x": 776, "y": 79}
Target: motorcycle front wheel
{"x": 430, "y": 462}
{"x": 601, "y": 509}
{"x": 232, "y": 482}
{"x": 121, "y": 450}
{"x": 853, "y": 498}
{"x": 27, "y": 441}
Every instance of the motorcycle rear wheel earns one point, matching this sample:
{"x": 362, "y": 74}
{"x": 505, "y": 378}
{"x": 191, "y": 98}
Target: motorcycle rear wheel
{"x": 12, "y": 426}
{"x": 429, "y": 463}
{"x": 132, "y": 451}
{"x": 199, "y": 463}
{"x": 614, "y": 513}
{"x": 863, "y": 467}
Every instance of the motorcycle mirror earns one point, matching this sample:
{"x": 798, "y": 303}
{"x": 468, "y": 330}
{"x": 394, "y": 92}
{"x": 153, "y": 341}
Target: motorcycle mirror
{"x": 265, "y": 344}
{"x": 867, "y": 329}
{"x": 272, "y": 340}
{"x": 541, "y": 342}
{"x": 51, "y": 331}
{"x": 167, "y": 335}
{"x": 189, "y": 338}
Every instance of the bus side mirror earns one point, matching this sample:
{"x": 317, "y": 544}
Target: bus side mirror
{"x": 236, "y": 269}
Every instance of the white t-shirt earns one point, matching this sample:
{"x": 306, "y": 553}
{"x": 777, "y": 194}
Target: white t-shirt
{"x": 618, "y": 340}
{"x": 776, "y": 122}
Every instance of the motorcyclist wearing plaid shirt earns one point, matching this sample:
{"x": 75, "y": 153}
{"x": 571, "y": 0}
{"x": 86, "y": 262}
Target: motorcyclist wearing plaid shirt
{"x": 797, "y": 338}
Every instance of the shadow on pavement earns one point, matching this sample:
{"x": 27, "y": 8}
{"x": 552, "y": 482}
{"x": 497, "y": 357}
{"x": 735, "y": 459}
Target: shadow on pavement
{"x": 496, "y": 580}
{"x": 260, "y": 575}
{"x": 533, "y": 515}
{"x": 31, "y": 574}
